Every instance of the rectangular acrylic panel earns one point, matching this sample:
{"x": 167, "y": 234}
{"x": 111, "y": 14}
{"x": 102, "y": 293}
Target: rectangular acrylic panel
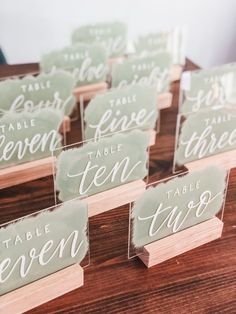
{"x": 43, "y": 238}
{"x": 140, "y": 236}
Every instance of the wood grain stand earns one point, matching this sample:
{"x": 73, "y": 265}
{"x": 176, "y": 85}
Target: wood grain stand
{"x": 164, "y": 100}
{"x": 176, "y": 72}
{"x": 88, "y": 91}
{"x": 226, "y": 160}
{"x": 42, "y": 290}
{"x": 181, "y": 242}
{"x": 26, "y": 172}
{"x": 121, "y": 195}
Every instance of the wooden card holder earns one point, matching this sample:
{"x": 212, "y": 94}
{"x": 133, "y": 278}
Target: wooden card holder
{"x": 226, "y": 160}
{"x": 181, "y": 242}
{"x": 152, "y": 137}
{"x": 176, "y": 72}
{"x": 121, "y": 195}
{"x": 164, "y": 100}
{"x": 42, "y": 290}
{"x": 26, "y": 172}
{"x": 66, "y": 125}
{"x": 88, "y": 91}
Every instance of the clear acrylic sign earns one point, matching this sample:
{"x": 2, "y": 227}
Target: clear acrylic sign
{"x": 208, "y": 89}
{"x": 88, "y": 168}
{"x": 151, "y": 70}
{"x": 38, "y": 245}
{"x": 171, "y": 41}
{"x": 87, "y": 63}
{"x": 112, "y": 36}
{"x": 28, "y": 136}
{"x": 54, "y": 90}
{"x": 120, "y": 110}
{"x": 176, "y": 203}
{"x": 204, "y": 134}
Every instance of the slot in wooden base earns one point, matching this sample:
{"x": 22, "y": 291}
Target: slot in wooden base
{"x": 164, "y": 100}
{"x": 176, "y": 72}
{"x": 121, "y": 195}
{"x": 26, "y": 172}
{"x": 181, "y": 242}
{"x": 89, "y": 91}
{"x": 226, "y": 160}
{"x": 42, "y": 290}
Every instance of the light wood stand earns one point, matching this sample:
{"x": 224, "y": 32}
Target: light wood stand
{"x": 226, "y": 160}
{"x": 66, "y": 125}
{"x": 176, "y": 72}
{"x": 42, "y": 290}
{"x": 89, "y": 91}
{"x": 121, "y": 195}
{"x": 164, "y": 100}
{"x": 181, "y": 242}
{"x": 26, "y": 172}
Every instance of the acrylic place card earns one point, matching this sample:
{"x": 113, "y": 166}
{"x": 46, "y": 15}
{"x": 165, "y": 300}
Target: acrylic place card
{"x": 112, "y": 36}
{"x": 27, "y": 140}
{"x": 108, "y": 171}
{"x": 171, "y": 41}
{"x": 87, "y": 63}
{"x": 151, "y": 70}
{"x": 41, "y": 244}
{"x": 117, "y": 110}
{"x": 54, "y": 90}
{"x": 205, "y": 89}
{"x": 206, "y": 134}
{"x": 29, "y": 136}
{"x": 173, "y": 205}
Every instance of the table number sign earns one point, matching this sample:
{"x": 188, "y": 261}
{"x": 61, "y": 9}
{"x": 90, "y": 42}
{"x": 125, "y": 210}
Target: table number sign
{"x": 174, "y": 206}
{"x": 111, "y": 163}
{"x": 205, "y": 134}
{"x": 112, "y": 36}
{"x": 54, "y": 90}
{"x": 38, "y": 246}
{"x": 172, "y": 41}
{"x": 120, "y": 110}
{"x": 87, "y": 63}
{"x": 29, "y": 136}
{"x": 151, "y": 70}
{"x": 205, "y": 89}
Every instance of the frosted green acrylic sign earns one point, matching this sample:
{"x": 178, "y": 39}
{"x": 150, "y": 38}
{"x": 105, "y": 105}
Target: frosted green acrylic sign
{"x": 175, "y": 205}
{"x": 99, "y": 166}
{"x": 172, "y": 41}
{"x": 112, "y": 36}
{"x": 204, "y": 134}
{"x": 151, "y": 70}
{"x": 31, "y": 93}
{"x": 121, "y": 109}
{"x": 87, "y": 63}
{"x": 28, "y": 136}
{"x": 206, "y": 89}
{"x": 39, "y": 245}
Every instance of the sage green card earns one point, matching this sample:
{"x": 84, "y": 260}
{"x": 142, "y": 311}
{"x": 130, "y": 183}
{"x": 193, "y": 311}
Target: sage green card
{"x": 172, "y": 41}
{"x": 99, "y": 166}
{"x": 150, "y": 70}
{"x": 178, "y": 204}
{"x": 54, "y": 90}
{"x": 36, "y": 246}
{"x": 120, "y": 110}
{"x": 28, "y": 136}
{"x": 87, "y": 63}
{"x": 112, "y": 36}
{"x": 206, "y": 133}
{"x": 209, "y": 88}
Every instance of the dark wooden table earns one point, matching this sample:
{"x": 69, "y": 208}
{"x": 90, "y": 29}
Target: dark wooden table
{"x": 200, "y": 281}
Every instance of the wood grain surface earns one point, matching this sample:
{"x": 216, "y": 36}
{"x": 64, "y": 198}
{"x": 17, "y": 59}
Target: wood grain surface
{"x": 200, "y": 281}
